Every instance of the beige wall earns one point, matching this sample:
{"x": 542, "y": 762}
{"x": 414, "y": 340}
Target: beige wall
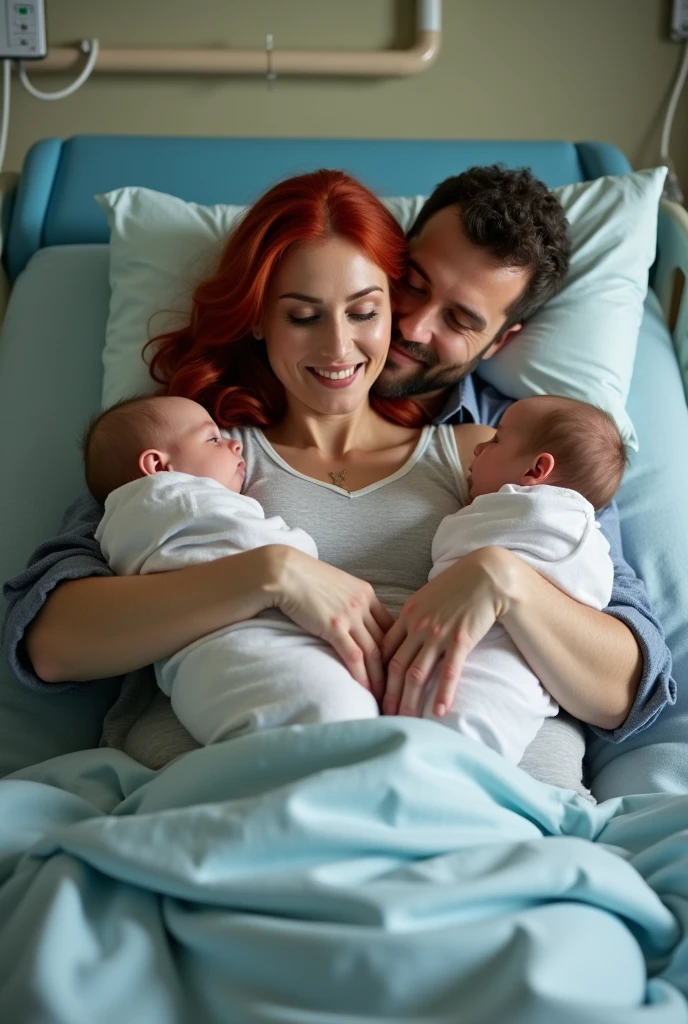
{"x": 585, "y": 69}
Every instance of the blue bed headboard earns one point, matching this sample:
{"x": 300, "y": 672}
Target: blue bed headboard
{"x": 54, "y": 203}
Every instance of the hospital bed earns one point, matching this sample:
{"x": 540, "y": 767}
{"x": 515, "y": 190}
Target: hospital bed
{"x": 384, "y": 873}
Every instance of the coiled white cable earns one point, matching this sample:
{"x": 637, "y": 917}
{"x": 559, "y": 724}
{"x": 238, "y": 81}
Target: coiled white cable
{"x": 89, "y": 46}
{"x": 5, "y": 122}
{"x": 672, "y": 188}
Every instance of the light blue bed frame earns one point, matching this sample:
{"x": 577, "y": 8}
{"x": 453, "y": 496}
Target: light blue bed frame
{"x": 46, "y": 395}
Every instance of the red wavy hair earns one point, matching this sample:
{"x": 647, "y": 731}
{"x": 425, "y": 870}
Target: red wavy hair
{"x": 215, "y": 359}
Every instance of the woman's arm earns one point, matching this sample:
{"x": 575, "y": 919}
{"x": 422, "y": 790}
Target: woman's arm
{"x": 590, "y": 662}
{"x": 98, "y": 627}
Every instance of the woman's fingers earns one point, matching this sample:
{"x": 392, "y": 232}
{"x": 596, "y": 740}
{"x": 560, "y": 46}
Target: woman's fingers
{"x": 367, "y": 639}
{"x": 381, "y": 615}
{"x": 359, "y": 649}
{"x": 395, "y": 635}
{"x": 353, "y": 656}
{"x": 397, "y": 697}
{"x": 415, "y": 680}
{"x": 340, "y": 609}
{"x": 374, "y": 629}
{"x": 450, "y": 674}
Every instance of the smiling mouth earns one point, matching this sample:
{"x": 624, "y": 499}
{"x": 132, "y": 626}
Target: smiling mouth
{"x": 335, "y": 373}
{"x": 335, "y": 377}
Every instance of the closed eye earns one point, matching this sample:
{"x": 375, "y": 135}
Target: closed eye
{"x": 302, "y": 321}
{"x": 455, "y": 324}
{"x": 306, "y": 321}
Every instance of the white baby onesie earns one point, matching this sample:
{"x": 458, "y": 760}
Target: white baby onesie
{"x": 258, "y": 674}
{"x": 499, "y": 700}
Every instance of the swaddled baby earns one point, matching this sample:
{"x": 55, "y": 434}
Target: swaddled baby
{"x": 171, "y": 487}
{"x": 534, "y": 489}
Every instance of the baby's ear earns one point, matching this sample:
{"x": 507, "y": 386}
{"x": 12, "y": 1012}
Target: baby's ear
{"x": 539, "y": 470}
{"x": 152, "y": 461}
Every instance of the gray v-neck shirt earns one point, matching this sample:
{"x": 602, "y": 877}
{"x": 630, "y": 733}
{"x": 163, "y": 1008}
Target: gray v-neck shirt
{"x": 381, "y": 533}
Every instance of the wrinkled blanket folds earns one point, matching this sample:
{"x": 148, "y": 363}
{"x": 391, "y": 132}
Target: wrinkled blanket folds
{"x": 385, "y": 870}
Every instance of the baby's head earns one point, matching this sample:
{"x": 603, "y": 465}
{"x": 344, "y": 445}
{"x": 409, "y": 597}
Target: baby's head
{"x": 140, "y": 436}
{"x": 556, "y": 441}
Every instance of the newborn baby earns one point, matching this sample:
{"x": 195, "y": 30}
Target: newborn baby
{"x": 171, "y": 486}
{"x": 534, "y": 489}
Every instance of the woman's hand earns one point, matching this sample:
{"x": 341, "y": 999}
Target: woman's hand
{"x": 338, "y": 608}
{"x": 444, "y": 620}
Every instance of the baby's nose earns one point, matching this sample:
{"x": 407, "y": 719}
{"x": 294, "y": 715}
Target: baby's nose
{"x": 235, "y": 446}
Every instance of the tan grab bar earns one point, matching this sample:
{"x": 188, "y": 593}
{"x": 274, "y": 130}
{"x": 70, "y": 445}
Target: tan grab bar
{"x": 269, "y": 62}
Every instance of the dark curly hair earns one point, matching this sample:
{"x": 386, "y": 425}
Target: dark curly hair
{"x": 516, "y": 217}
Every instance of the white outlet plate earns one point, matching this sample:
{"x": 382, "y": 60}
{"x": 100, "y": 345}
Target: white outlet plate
{"x": 22, "y": 30}
{"x": 679, "y": 20}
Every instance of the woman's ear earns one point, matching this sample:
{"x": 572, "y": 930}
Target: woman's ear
{"x": 153, "y": 461}
{"x": 539, "y": 470}
{"x": 257, "y": 331}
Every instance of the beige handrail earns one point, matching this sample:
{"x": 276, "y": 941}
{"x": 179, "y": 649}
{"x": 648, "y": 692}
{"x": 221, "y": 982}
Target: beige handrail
{"x": 269, "y": 62}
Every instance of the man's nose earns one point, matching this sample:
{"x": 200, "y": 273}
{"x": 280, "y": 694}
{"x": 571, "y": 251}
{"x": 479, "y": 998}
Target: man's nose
{"x": 417, "y": 324}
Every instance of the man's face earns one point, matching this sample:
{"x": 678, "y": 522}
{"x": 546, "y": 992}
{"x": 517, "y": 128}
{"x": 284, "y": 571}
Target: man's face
{"x": 450, "y": 310}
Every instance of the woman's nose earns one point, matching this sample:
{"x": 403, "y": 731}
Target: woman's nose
{"x": 338, "y": 341}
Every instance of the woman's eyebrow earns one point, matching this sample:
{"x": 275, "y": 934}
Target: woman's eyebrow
{"x": 479, "y": 321}
{"x": 318, "y": 302}
{"x": 364, "y": 291}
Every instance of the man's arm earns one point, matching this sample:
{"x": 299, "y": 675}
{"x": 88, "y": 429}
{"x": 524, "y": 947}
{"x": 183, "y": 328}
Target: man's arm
{"x": 630, "y": 604}
{"x": 71, "y": 554}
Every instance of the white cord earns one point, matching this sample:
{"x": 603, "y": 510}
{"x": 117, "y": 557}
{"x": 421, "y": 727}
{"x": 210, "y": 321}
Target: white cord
{"x": 87, "y": 46}
{"x": 5, "y": 122}
{"x": 671, "y": 109}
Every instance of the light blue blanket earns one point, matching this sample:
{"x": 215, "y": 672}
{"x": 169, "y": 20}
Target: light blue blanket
{"x": 385, "y": 870}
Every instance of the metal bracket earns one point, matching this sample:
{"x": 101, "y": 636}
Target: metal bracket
{"x": 270, "y": 75}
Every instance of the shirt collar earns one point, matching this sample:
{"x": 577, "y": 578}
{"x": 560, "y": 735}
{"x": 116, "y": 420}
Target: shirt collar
{"x": 461, "y": 403}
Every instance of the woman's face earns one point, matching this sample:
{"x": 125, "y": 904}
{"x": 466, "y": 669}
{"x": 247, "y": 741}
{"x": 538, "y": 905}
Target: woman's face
{"x": 327, "y": 325}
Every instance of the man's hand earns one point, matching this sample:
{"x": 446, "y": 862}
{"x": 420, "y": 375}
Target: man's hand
{"x": 444, "y": 620}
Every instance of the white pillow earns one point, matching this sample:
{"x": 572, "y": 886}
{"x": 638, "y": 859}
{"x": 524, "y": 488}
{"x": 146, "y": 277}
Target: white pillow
{"x": 582, "y": 343}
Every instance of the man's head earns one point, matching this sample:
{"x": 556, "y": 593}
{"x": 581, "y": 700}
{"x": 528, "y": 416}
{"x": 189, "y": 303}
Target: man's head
{"x": 489, "y": 248}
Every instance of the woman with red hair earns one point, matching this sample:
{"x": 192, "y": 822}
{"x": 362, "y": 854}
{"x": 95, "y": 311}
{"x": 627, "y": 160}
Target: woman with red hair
{"x": 215, "y": 359}
{"x": 282, "y": 348}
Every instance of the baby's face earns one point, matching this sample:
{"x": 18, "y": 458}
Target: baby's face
{"x": 199, "y": 449}
{"x": 505, "y": 458}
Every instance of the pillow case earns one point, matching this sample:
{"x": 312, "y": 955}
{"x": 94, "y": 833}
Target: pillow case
{"x": 580, "y": 344}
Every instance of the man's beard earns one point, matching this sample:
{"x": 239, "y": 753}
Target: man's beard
{"x": 431, "y": 376}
